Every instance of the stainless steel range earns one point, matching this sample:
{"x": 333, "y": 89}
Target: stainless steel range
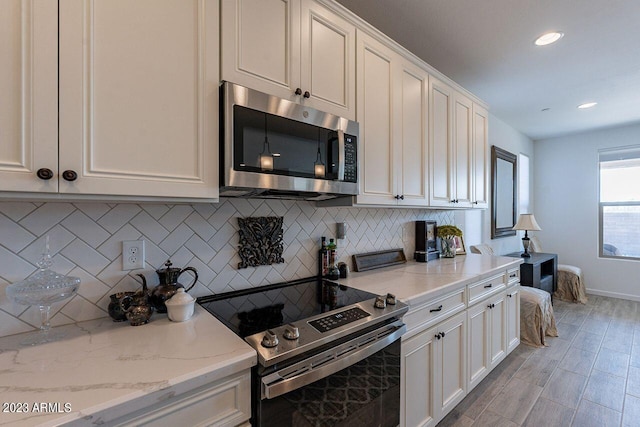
{"x": 328, "y": 355}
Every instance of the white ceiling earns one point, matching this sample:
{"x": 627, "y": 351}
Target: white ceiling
{"x": 487, "y": 47}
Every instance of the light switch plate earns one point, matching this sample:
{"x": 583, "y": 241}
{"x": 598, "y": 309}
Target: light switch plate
{"x": 132, "y": 254}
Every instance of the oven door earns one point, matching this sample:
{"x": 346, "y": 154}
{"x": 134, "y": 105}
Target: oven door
{"x": 355, "y": 384}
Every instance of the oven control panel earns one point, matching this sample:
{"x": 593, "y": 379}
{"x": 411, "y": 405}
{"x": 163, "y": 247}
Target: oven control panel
{"x": 336, "y": 320}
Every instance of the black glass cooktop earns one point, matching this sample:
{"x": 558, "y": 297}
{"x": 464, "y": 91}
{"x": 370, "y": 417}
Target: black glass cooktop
{"x": 255, "y": 310}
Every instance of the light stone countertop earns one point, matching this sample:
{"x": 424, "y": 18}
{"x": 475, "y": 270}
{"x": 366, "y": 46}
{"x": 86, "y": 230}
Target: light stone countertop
{"x": 102, "y": 369}
{"x": 417, "y": 282}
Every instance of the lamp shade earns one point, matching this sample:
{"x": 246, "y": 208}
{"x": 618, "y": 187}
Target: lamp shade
{"x": 527, "y": 222}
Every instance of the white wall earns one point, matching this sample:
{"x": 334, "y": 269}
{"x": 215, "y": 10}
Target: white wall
{"x": 505, "y": 137}
{"x": 566, "y": 194}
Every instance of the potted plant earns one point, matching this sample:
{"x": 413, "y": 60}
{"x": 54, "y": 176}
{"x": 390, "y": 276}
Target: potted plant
{"x": 447, "y": 235}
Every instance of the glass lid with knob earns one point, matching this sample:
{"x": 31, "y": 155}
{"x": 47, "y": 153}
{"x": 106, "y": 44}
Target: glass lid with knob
{"x": 42, "y": 289}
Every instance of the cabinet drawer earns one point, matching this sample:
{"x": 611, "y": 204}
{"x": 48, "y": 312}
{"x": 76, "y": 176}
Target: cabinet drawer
{"x": 225, "y": 403}
{"x": 513, "y": 276}
{"x": 479, "y": 291}
{"x": 434, "y": 311}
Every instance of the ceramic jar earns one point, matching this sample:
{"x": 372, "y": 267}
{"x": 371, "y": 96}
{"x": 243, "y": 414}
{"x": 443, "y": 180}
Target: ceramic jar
{"x": 180, "y": 306}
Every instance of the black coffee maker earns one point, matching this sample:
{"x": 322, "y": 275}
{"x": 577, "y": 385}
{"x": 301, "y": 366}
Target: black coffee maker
{"x": 426, "y": 245}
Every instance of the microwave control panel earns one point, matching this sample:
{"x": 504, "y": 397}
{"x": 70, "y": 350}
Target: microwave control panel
{"x": 350, "y": 159}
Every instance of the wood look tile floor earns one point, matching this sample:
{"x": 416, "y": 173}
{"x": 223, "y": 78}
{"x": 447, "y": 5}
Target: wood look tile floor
{"x": 588, "y": 376}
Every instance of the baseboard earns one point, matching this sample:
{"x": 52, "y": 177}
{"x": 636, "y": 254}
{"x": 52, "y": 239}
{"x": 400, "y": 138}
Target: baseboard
{"x": 613, "y": 294}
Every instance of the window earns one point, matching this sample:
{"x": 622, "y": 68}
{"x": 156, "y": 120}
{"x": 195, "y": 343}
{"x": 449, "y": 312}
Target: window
{"x": 620, "y": 203}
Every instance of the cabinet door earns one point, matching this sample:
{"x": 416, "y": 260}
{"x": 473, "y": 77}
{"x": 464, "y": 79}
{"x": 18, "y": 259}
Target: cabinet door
{"x": 29, "y": 100}
{"x": 452, "y": 363}
{"x": 513, "y": 318}
{"x": 462, "y": 151}
{"x": 419, "y": 380}
{"x": 480, "y": 194}
{"x": 440, "y": 150}
{"x": 497, "y": 334}
{"x": 260, "y": 45}
{"x": 375, "y": 115}
{"x": 139, "y": 97}
{"x": 478, "y": 342}
{"x": 412, "y": 135}
{"x": 328, "y": 60}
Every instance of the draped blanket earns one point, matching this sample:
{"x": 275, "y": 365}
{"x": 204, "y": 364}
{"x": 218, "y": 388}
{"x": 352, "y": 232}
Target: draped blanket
{"x": 536, "y": 317}
{"x": 570, "y": 284}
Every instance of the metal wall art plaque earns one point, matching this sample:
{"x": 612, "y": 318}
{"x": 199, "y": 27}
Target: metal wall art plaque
{"x": 260, "y": 241}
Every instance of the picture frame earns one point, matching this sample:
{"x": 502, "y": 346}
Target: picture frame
{"x": 460, "y": 249}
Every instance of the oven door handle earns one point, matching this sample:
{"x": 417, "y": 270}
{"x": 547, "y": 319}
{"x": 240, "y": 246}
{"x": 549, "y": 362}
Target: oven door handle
{"x": 275, "y": 385}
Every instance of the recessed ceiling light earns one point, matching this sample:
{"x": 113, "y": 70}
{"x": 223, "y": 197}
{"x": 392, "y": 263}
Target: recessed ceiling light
{"x": 548, "y": 38}
{"x": 587, "y": 105}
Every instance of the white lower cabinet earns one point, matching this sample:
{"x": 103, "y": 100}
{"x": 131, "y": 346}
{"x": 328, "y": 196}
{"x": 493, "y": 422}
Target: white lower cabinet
{"x": 513, "y": 317}
{"x": 487, "y": 337}
{"x": 226, "y": 402}
{"x": 444, "y": 361}
{"x": 434, "y": 372}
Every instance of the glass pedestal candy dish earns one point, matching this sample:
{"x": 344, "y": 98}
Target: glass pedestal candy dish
{"x": 44, "y": 288}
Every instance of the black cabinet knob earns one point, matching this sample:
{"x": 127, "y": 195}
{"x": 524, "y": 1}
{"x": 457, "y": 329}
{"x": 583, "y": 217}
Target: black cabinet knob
{"x": 402, "y": 197}
{"x": 45, "y": 173}
{"x": 475, "y": 203}
{"x": 443, "y": 335}
{"x": 307, "y": 94}
{"x": 69, "y": 175}
{"x": 298, "y": 91}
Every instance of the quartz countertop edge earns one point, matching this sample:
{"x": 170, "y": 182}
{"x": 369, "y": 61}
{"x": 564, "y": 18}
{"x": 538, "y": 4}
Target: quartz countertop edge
{"x": 416, "y": 282}
{"x": 104, "y": 370}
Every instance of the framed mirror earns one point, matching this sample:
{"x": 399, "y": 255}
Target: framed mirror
{"x": 504, "y": 172}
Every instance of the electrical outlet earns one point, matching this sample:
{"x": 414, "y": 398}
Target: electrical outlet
{"x": 132, "y": 254}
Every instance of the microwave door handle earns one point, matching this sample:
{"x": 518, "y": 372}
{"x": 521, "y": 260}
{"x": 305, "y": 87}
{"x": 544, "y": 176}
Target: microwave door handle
{"x": 341, "y": 155}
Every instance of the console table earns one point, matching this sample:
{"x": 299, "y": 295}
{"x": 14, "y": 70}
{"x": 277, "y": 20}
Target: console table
{"x": 540, "y": 271}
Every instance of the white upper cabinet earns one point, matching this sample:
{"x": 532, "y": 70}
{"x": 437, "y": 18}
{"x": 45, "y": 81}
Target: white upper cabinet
{"x": 375, "y": 114}
{"x": 440, "y": 143}
{"x": 392, "y": 112}
{"x": 133, "y": 110}
{"x": 139, "y": 97}
{"x": 413, "y": 135}
{"x": 457, "y": 149}
{"x": 295, "y": 49}
{"x": 29, "y": 100}
{"x": 462, "y": 151}
{"x": 480, "y": 168}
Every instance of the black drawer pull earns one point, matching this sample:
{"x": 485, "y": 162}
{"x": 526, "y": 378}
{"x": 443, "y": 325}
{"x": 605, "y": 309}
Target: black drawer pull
{"x": 513, "y": 275}
{"x": 438, "y": 336}
{"x": 509, "y": 295}
{"x": 490, "y": 285}
{"x": 435, "y": 309}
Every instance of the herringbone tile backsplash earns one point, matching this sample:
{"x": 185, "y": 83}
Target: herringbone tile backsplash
{"x": 86, "y": 241}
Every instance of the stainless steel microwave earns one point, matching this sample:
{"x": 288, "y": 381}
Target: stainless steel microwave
{"x": 275, "y": 148}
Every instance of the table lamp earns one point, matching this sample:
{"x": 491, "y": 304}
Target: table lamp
{"x": 526, "y": 222}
